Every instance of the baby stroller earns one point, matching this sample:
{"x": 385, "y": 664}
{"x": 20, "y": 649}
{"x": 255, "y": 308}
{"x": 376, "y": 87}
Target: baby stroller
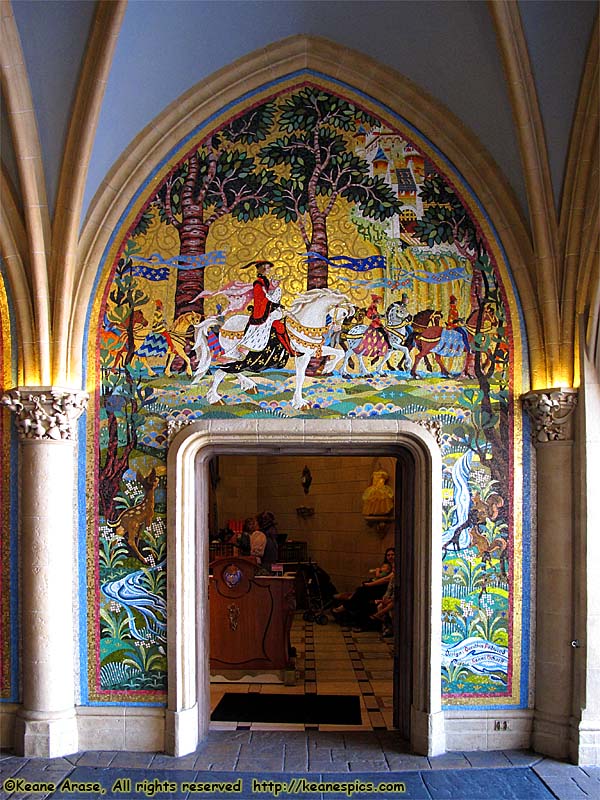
{"x": 317, "y": 587}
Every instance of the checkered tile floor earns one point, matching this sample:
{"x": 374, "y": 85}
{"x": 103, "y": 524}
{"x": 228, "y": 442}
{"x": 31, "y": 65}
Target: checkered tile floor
{"x": 331, "y": 659}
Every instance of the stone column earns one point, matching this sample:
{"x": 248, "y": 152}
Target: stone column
{"x": 46, "y": 421}
{"x": 551, "y": 412}
{"x": 585, "y": 730}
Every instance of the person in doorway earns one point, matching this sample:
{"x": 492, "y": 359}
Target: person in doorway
{"x": 384, "y": 610}
{"x": 268, "y": 525}
{"x": 360, "y": 605}
{"x": 257, "y": 538}
{"x": 383, "y": 570}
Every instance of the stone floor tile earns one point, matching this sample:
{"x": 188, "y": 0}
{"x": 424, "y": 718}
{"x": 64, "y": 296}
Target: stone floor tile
{"x": 217, "y": 750}
{"x": 223, "y": 737}
{"x": 295, "y": 763}
{"x": 522, "y": 758}
{"x": 258, "y": 767}
{"x": 50, "y": 764}
{"x": 10, "y": 766}
{"x": 32, "y": 773}
{"x": 325, "y": 741}
{"x": 132, "y": 760}
{"x": 593, "y": 772}
{"x": 164, "y": 762}
{"x": 588, "y": 783}
{"x": 449, "y": 761}
{"x": 374, "y": 764}
{"x": 559, "y": 768}
{"x": 566, "y": 789}
{"x": 490, "y": 759}
{"x": 217, "y": 764}
{"x": 486, "y": 784}
{"x": 340, "y": 767}
{"x": 101, "y": 758}
{"x": 324, "y": 754}
{"x": 399, "y": 762}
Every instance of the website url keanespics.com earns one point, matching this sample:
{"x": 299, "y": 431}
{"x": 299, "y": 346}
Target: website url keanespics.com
{"x": 151, "y": 787}
{"x": 306, "y": 785}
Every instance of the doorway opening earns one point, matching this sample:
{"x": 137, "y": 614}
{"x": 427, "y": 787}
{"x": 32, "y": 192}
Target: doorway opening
{"x": 338, "y": 520}
{"x": 416, "y": 531}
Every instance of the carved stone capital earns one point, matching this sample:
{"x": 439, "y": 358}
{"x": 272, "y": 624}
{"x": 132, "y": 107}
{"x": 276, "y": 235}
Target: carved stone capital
{"x": 46, "y": 413}
{"x": 551, "y": 411}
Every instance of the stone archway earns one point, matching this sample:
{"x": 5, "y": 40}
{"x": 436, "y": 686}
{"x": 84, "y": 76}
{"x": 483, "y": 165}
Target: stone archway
{"x": 188, "y": 710}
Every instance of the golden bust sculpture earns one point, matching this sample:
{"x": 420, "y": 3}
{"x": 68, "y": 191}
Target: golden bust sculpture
{"x": 378, "y": 498}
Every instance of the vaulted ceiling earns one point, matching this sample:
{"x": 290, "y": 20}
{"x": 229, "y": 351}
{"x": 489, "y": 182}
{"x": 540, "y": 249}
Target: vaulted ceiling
{"x": 82, "y": 79}
{"x": 164, "y": 47}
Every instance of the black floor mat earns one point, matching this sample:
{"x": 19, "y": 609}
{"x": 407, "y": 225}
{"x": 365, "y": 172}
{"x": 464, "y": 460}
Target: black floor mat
{"x": 309, "y": 709}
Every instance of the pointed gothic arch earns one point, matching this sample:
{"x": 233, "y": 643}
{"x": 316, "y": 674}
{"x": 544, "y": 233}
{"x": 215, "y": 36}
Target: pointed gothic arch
{"x": 208, "y": 100}
{"x": 187, "y": 717}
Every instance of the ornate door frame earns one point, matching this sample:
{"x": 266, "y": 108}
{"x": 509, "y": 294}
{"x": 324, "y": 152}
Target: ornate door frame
{"x": 190, "y": 451}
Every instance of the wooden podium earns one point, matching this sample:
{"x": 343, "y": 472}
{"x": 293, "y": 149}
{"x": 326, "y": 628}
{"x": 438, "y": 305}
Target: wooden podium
{"x": 250, "y": 620}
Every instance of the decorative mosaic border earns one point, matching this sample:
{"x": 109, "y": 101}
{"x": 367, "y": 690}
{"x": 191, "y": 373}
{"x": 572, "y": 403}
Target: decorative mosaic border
{"x": 8, "y": 506}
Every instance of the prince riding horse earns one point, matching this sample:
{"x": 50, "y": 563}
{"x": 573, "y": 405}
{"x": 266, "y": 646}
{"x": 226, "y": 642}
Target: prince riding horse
{"x": 308, "y": 322}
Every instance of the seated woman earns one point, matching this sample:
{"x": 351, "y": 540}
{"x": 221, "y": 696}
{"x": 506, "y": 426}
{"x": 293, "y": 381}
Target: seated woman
{"x": 385, "y": 568}
{"x": 381, "y": 571}
{"x": 359, "y": 605}
{"x": 251, "y": 541}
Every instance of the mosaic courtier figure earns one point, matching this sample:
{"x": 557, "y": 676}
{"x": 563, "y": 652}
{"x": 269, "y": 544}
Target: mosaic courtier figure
{"x": 455, "y": 322}
{"x": 375, "y": 341}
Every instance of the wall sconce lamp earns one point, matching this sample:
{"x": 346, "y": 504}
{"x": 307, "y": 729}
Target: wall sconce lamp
{"x": 305, "y": 511}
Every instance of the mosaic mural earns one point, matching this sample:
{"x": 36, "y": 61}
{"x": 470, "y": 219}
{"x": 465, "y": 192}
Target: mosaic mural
{"x": 7, "y": 566}
{"x": 307, "y": 256}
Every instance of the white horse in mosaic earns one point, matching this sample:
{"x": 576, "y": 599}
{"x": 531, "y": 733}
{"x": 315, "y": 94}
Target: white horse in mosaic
{"x": 311, "y": 317}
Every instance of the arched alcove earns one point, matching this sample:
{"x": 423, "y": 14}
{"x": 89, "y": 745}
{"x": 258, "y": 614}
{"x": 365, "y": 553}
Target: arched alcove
{"x": 136, "y": 317}
{"x": 188, "y": 709}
